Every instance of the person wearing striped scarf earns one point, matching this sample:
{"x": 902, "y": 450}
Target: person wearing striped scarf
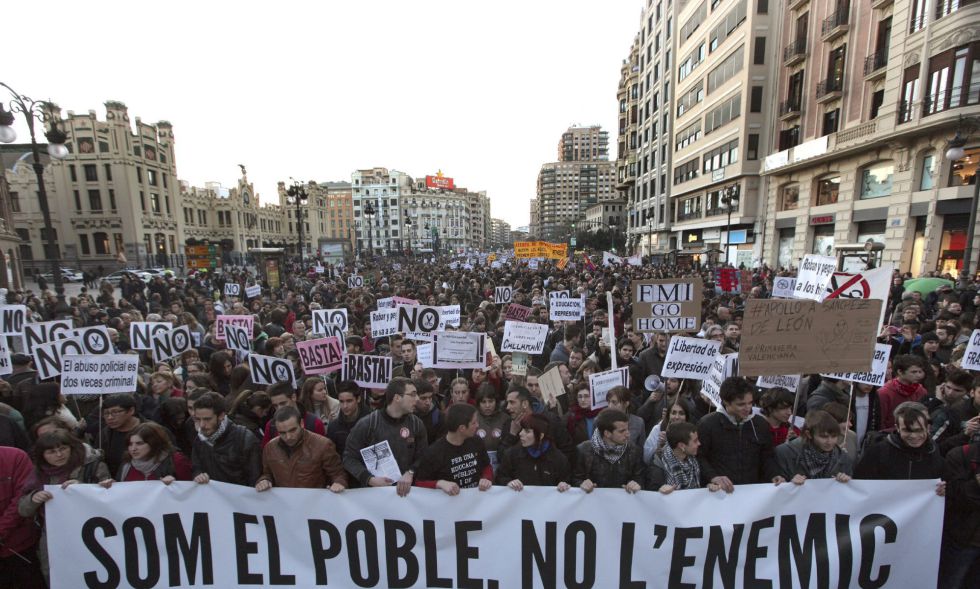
{"x": 676, "y": 466}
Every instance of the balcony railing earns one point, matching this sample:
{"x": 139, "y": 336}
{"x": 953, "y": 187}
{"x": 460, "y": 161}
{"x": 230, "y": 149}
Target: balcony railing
{"x": 829, "y": 86}
{"x": 790, "y": 107}
{"x": 949, "y": 98}
{"x": 688, "y": 216}
{"x": 876, "y": 61}
{"x": 794, "y": 52}
{"x": 835, "y": 24}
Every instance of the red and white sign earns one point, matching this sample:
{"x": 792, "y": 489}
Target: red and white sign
{"x": 439, "y": 181}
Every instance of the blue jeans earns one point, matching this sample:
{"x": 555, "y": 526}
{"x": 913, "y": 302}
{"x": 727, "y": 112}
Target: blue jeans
{"x": 955, "y": 565}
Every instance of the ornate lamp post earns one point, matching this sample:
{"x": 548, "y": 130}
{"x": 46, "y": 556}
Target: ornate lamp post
{"x": 408, "y": 231}
{"x": 298, "y": 195}
{"x": 955, "y": 151}
{"x": 36, "y": 111}
{"x": 729, "y": 199}
{"x": 369, "y": 213}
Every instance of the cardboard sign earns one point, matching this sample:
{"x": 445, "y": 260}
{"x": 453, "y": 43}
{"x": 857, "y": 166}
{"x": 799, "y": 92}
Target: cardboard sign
{"x": 503, "y": 294}
{"x": 141, "y": 333}
{"x": 47, "y": 357}
{"x": 723, "y": 366}
{"x": 667, "y": 305}
{"x": 566, "y": 309}
{"x": 373, "y": 372}
{"x": 601, "y": 383}
{"x": 238, "y": 338}
{"x": 517, "y": 312}
{"x": 221, "y": 321}
{"x": 94, "y": 340}
{"x": 786, "y": 336}
{"x": 458, "y": 350}
{"x": 689, "y": 357}
{"x": 331, "y": 330}
{"x": 552, "y": 386}
{"x": 270, "y": 370}
{"x": 171, "y": 343}
{"x": 12, "y": 319}
{"x": 875, "y": 376}
{"x": 47, "y": 331}
{"x": 355, "y": 281}
{"x": 971, "y": 358}
{"x": 384, "y": 322}
{"x": 6, "y": 365}
{"x": 790, "y": 382}
{"x": 419, "y": 319}
{"x": 321, "y": 356}
{"x": 524, "y": 337}
{"x": 99, "y": 375}
{"x": 813, "y": 277}
{"x": 253, "y": 292}
{"x": 783, "y": 287}
{"x": 233, "y": 289}
{"x": 324, "y": 317}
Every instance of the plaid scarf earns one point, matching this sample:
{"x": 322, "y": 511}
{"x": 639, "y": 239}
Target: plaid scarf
{"x": 684, "y": 474}
{"x": 819, "y": 465}
{"x": 610, "y": 452}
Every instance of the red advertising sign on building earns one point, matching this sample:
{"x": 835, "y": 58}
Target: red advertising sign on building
{"x": 439, "y": 181}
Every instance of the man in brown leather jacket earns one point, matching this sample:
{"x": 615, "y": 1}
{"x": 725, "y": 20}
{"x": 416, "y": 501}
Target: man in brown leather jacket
{"x": 300, "y": 458}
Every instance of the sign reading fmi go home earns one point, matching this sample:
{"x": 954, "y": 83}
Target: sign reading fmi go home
{"x": 672, "y": 304}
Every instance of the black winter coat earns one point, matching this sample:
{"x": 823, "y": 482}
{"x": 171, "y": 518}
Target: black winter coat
{"x": 547, "y": 470}
{"x": 236, "y": 457}
{"x": 743, "y": 453}
{"x": 963, "y": 495}
{"x": 606, "y": 474}
{"x": 893, "y": 459}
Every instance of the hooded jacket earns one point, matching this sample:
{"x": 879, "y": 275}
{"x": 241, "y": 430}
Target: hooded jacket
{"x": 893, "y": 394}
{"x": 743, "y": 452}
{"x": 963, "y": 495}
{"x": 892, "y": 459}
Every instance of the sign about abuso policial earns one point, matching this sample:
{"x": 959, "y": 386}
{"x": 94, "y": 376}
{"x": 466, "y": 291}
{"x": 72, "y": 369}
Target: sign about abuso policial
{"x": 667, "y": 305}
{"x": 102, "y": 374}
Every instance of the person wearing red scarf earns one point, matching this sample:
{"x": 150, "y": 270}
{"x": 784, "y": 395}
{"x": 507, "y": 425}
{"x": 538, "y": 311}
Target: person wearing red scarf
{"x": 580, "y": 420}
{"x": 909, "y": 372}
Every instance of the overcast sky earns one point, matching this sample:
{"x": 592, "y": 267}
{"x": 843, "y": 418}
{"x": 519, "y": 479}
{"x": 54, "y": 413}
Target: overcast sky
{"x": 480, "y": 90}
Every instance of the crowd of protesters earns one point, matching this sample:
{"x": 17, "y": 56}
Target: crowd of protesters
{"x": 202, "y": 417}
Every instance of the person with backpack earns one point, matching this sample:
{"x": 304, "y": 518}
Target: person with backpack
{"x": 961, "y": 532}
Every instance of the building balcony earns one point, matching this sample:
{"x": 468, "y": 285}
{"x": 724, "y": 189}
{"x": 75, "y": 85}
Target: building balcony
{"x": 794, "y": 4}
{"x": 790, "y": 109}
{"x": 688, "y": 216}
{"x": 874, "y": 64}
{"x": 830, "y": 89}
{"x": 835, "y": 25}
{"x": 881, "y": 3}
{"x": 795, "y": 52}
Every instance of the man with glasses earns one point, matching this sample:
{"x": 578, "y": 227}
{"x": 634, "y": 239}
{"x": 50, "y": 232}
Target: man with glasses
{"x": 119, "y": 418}
{"x": 395, "y": 424}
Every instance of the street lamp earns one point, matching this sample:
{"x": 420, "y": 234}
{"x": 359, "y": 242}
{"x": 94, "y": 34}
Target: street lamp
{"x": 297, "y": 192}
{"x": 34, "y": 110}
{"x": 955, "y": 151}
{"x": 369, "y": 213}
{"x": 408, "y": 230}
{"x": 729, "y": 198}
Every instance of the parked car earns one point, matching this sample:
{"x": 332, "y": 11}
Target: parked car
{"x": 67, "y": 275}
{"x": 116, "y": 277}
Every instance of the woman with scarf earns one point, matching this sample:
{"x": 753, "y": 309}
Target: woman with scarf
{"x": 61, "y": 459}
{"x": 536, "y": 461}
{"x": 816, "y": 453}
{"x": 580, "y": 420}
{"x": 489, "y": 416}
{"x": 151, "y": 457}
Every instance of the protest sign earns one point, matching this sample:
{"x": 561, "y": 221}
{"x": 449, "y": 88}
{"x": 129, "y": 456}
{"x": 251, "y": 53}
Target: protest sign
{"x": 233, "y": 289}
{"x": 723, "y": 366}
{"x": 783, "y": 287}
{"x": 786, "y": 336}
{"x": 450, "y": 316}
{"x": 319, "y": 269}
{"x": 384, "y": 322}
{"x": 518, "y": 363}
{"x": 141, "y": 333}
{"x": 813, "y": 276}
{"x": 238, "y": 338}
{"x": 611, "y": 259}
{"x": 558, "y": 294}
{"x": 822, "y": 534}
{"x": 667, "y": 305}
{"x": 875, "y": 376}
{"x": 373, "y": 372}
{"x": 355, "y": 281}
{"x": 423, "y": 355}
{"x": 601, "y": 383}
{"x": 971, "y": 358}
{"x": 458, "y": 350}
{"x": 552, "y": 386}
{"x": 789, "y": 382}
{"x": 320, "y": 356}
{"x": 392, "y": 302}
{"x": 324, "y": 317}
{"x": 524, "y": 337}
{"x": 270, "y": 370}
{"x": 171, "y": 343}
{"x": 502, "y": 294}
{"x": 103, "y": 374}
{"x": 6, "y": 366}
{"x": 47, "y": 357}
{"x": 727, "y": 280}
{"x": 870, "y": 284}
{"x": 253, "y": 292}
{"x": 419, "y": 319}
{"x": 12, "y": 319}
{"x": 689, "y": 357}
{"x": 94, "y": 340}
{"x": 517, "y": 312}
{"x": 245, "y": 321}
{"x": 47, "y": 331}
{"x": 566, "y": 309}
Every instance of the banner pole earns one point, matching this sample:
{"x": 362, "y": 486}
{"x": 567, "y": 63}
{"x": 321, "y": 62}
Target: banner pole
{"x": 612, "y": 332}
{"x": 847, "y": 420}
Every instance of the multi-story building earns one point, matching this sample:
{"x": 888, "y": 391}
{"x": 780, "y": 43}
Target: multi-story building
{"x": 328, "y": 218}
{"x": 720, "y": 125}
{"x": 608, "y": 215}
{"x": 567, "y": 187}
{"x": 869, "y": 94}
{"x": 534, "y": 226}
{"x": 114, "y": 198}
{"x": 500, "y": 234}
{"x": 626, "y": 168}
{"x": 11, "y": 269}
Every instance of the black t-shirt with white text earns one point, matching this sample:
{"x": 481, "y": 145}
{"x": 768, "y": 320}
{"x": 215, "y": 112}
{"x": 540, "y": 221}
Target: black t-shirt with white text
{"x": 462, "y": 464}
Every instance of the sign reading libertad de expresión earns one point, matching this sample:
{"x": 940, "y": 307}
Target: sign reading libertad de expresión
{"x": 669, "y": 305}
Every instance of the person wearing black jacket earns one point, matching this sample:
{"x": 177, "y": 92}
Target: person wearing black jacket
{"x": 906, "y": 454}
{"x": 352, "y": 409}
{"x": 736, "y": 446}
{"x": 961, "y": 542}
{"x": 608, "y": 460}
{"x": 521, "y": 403}
{"x": 536, "y": 462}
{"x": 223, "y": 451}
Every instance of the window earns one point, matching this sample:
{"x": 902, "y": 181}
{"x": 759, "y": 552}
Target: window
{"x": 155, "y": 202}
{"x": 831, "y": 121}
{"x": 51, "y": 252}
{"x": 26, "y": 253}
{"x": 691, "y": 63}
{"x": 954, "y": 79}
{"x": 762, "y": 7}
{"x": 721, "y": 156}
{"x": 72, "y": 173}
{"x": 91, "y": 174}
{"x": 877, "y": 99}
{"x": 139, "y": 174}
{"x": 723, "y": 114}
{"x": 691, "y": 98}
{"x": 876, "y": 180}
{"x": 918, "y": 12}
{"x": 927, "y": 179}
{"x": 118, "y": 239}
{"x": 828, "y": 190}
{"x": 686, "y": 171}
{"x": 101, "y": 243}
{"x": 755, "y": 103}
{"x": 752, "y": 151}
{"x": 835, "y": 70}
{"x": 690, "y": 208}
{"x": 726, "y": 69}
{"x": 95, "y": 201}
{"x": 83, "y": 242}
{"x": 759, "y": 51}
{"x": 151, "y": 177}
{"x": 687, "y": 136}
{"x": 142, "y": 201}
{"x": 164, "y": 176}
{"x": 688, "y": 28}
{"x": 78, "y": 201}
{"x": 112, "y": 200}
{"x": 108, "y": 172}
{"x": 103, "y": 146}
{"x": 735, "y": 17}
{"x": 910, "y": 93}
{"x": 789, "y": 197}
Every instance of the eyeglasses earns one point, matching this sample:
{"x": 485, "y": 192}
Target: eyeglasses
{"x": 114, "y": 412}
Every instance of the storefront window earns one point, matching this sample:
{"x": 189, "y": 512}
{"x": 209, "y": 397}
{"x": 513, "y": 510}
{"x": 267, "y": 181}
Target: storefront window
{"x": 823, "y": 240}
{"x": 789, "y": 197}
{"x": 963, "y": 172}
{"x": 876, "y": 181}
{"x": 785, "y": 255}
{"x": 828, "y": 189}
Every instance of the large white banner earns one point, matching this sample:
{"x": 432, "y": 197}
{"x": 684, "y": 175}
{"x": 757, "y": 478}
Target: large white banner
{"x": 821, "y": 534}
